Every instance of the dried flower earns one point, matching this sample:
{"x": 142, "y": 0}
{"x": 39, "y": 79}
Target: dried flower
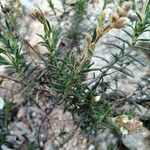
{"x": 39, "y": 15}
{"x": 134, "y": 124}
{"x": 127, "y": 6}
{"x": 114, "y": 17}
{"x": 121, "y": 12}
{"x": 120, "y": 23}
{"x": 125, "y": 125}
{"x": 123, "y": 131}
{"x": 95, "y": 100}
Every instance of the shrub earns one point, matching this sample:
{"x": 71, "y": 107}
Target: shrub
{"x": 62, "y": 78}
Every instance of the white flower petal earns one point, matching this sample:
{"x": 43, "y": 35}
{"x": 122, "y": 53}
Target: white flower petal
{"x": 1, "y": 103}
{"x": 125, "y": 120}
{"x": 123, "y": 131}
{"x": 97, "y": 98}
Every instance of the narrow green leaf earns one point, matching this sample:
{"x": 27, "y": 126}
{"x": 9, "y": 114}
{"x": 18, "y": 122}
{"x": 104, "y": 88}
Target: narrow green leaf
{"x": 3, "y": 61}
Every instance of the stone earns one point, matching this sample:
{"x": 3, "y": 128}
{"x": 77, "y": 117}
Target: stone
{"x": 137, "y": 140}
{"x": 2, "y": 70}
{"x": 18, "y": 130}
{"x": 21, "y": 113}
{"x": 105, "y": 138}
{"x": 29, "y": 6}
{"x": 18, "y": 98}
{"x": 91, "y": 147}
{"x": 127, "y": 84}
{"x": 142, "y": 112}
{"x": 4, "y": 147}
{"x": 49, "y": 145}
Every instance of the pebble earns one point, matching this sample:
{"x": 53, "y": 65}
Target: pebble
{"x": 21, "y": 113}
{"x": 42, "y": 136}
{"x": 91, "y": 147}
{"x": 49, "y": 145}
{"x": 137, "y": 140}
{"x": 41, "y": 144}
{"x": 4, "y": 147}
{"x": 34, "y": 114}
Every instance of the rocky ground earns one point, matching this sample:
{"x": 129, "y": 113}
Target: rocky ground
{"x": 32, "y": 125}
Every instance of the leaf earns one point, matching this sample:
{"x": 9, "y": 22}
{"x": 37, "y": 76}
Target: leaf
{"x": 123, "y": 71}
{"x": 131, "y": 26}
{"x": 143, "y": 40}
{"x": 139, "y": 16}
{"x": 3, "y": 61}
{"x": 101, "y": 18}
{"x": 3, "y": 40}
{"x": 51, "y": 5}
{"x": 102, "y": 58}
{"x": 124, "y": 41}
{"x": 136, "y": 59}
{"x": 119, "y": 47}
{"x": 2, "y": 50}
{"x": 145, "y": 49}
{"x": 127, "y": 33}
{"x": 146, "y": 30}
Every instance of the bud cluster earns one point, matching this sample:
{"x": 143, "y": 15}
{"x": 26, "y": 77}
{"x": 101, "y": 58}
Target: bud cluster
{"x": 119, "y": 17}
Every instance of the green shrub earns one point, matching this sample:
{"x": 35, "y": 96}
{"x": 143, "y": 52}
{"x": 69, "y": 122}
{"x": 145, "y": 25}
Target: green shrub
{"x": 63, "y": 77}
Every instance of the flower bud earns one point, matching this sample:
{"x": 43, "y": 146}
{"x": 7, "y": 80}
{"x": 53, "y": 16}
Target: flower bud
{"x": 88, "y": 38}
{"x": 39, "y": 15}
{"x": 92, "y": 46}
{"x": 121, "y": 12}
{"x": 97, "y": 98}
{"x": 121, "y": 22}
{"x": 127, "y": 6}
{"x": 114, "y": 17}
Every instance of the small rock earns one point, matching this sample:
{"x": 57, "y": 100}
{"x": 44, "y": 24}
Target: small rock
{"x": 91, "y": 147}
{"x": 34, "y": 114}
{"x": 17, "y": 130}
{"x": 137, "y": 140}
{"x": 49, "y": 145}
{"x": 142, "y": 112}
{"x": 41, "y": 144}
{"x": 28, "y": 5}
{"x": 2, "y": 70}
{"x": 4, "y": 147}
{"x": 21, "y": 113}
{"x": 106, "y": 138}
{"x": 18, "y": 98}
